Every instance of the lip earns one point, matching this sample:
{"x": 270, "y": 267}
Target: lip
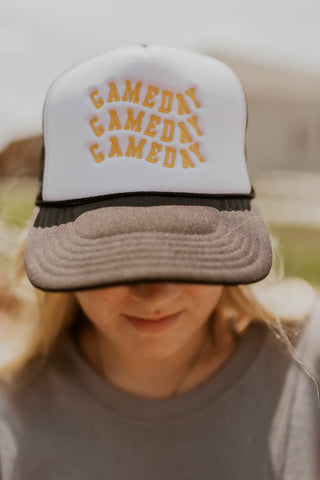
{"x": 153, "y": 325}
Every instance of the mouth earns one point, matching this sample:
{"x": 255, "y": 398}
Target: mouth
{"x": 153, "y": 324}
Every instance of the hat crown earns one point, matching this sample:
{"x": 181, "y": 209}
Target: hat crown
{"x": 145, "y": 119}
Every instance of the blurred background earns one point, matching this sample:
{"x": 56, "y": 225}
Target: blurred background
{"x": 273, "y": 46}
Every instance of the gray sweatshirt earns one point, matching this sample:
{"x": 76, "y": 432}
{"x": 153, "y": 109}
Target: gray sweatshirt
{"x": 256, "y": 418}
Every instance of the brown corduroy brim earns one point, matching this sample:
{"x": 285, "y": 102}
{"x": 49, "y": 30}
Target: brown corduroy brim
{"x": 122, "y": 244}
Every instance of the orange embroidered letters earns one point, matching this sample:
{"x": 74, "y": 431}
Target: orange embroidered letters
{"x": 98, "y": 129}
{"x": 186, "y": 162}
{"x": 151, "y": 93}
{"x": 166, "y": 102}
{"x": 168, "y": 125}
{"x": 132, "y": 95}
{"x": 155, "y": 147}
{"x": 169, "y": 162}
{"x": 182, "y": 106}
{"x": 98, "y": 156}
{"x": 115, "y": 148}
{"x": 135, "y": 151}
{"x": 185, "y": 136}
{"x": 113, "y": 93}
{"x": 132, "y": 123}
{"x": 195, "y": 149}
{"x": 153, "y": 122}
{"x": 114, "y": 121}
{"x": 97, "y": 102}
{"x": 190, "y": 94}
{"x": 193, "y": 122}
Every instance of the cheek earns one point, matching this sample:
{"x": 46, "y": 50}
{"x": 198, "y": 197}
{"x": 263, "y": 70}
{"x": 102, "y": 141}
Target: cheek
{"x": 101, "y": 304}
{"x": 205, "y": 298}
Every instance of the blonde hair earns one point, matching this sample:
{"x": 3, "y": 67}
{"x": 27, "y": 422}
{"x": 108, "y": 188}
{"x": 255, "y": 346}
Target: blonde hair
{"x": 32, "y": 320}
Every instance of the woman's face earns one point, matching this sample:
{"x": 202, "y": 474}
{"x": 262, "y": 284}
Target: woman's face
{"x": 154, "y": 319}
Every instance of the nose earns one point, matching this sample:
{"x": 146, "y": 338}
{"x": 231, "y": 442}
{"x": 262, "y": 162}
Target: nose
{"x": 155, "y": 292}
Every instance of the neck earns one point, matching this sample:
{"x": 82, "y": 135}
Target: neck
{"x": 159, "y": 377}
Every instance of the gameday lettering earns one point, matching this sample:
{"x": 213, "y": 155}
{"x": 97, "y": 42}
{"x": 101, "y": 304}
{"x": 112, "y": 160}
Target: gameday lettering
{"x": 152, "y": 114}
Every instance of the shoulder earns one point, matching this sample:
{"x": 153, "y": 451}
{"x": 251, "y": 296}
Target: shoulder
{"x": 302, "y": 381}
{"x": 296, "y": 303}
{"x": 33, "y": 403}
{"x": 307, "y": 349}
{"x": 297, "y": 414}
{"x": 36, "y": 385}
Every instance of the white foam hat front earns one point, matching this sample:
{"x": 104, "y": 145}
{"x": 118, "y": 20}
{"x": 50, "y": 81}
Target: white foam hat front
{"x": 145, "y": 119}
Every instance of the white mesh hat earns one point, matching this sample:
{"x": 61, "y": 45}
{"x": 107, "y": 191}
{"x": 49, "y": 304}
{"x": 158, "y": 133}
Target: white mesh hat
{"x": 144, "y": 176}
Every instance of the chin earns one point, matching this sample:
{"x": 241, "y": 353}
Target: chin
{"x": 155, "y": 349}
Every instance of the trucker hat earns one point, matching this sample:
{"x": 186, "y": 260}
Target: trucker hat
{"x": 144, "y": 176}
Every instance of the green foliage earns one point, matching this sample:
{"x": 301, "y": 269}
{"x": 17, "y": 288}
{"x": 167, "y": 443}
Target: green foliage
{"x": 300, "y": 249}
{"x": 17, "y": 202}
{"x": 17, "y": 213}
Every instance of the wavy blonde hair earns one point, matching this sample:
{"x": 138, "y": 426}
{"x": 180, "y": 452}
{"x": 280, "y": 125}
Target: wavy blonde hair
{"x": 32, "y": 320}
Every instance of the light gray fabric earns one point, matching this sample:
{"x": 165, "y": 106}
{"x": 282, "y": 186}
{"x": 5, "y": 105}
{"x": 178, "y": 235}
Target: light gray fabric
{"x": 256, "y": 419}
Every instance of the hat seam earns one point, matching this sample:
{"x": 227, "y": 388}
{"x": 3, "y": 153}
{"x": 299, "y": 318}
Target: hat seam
{"x": 98, "y": 198}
